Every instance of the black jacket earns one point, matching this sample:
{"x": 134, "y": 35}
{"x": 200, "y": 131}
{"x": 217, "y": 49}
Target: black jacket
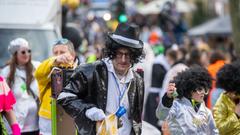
{"x": 89, "y": 83}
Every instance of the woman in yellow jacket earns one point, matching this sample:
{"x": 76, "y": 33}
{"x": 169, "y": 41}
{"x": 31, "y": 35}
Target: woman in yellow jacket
{"x": 226, "y": 111}
{"x": 63, "y": 53}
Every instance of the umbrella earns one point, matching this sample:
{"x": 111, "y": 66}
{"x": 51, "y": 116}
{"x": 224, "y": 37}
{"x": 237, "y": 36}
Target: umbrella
{"x": 220, "y": 25}
{"x": 184, "y": 7}
{"x": 156, "y": 6}
{"x": 153, "y": 7}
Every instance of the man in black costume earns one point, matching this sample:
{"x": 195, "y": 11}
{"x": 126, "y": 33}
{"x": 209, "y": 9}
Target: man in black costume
{"x": 99, "y": 89}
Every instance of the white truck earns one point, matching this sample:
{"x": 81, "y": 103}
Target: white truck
{"x": 38, "y": 21}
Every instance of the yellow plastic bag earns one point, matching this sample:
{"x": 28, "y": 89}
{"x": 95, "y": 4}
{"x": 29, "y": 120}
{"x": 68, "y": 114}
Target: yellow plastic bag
{"x": 108, "y": 126}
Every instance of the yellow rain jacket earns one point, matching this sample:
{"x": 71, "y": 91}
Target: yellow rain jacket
{"x": 224, "y": 115}
{"x": 44, "y": 84}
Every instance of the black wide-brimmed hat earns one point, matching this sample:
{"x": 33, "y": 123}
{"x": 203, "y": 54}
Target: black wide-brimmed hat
{"x": 127, "y": 35}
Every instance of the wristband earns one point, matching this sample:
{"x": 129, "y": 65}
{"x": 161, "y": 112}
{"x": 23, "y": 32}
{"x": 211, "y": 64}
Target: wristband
{"x": 15, "y": 129}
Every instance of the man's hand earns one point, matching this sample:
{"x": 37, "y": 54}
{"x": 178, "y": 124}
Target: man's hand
{"x": 65, "y": 58}
{"x": 170, "y": 90}
{"x": 237, "y": 109}
{"x": 95, "y": 114}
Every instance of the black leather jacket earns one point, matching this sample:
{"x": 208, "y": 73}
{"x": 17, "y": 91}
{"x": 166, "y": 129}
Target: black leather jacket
{"x": 89, "y": 83}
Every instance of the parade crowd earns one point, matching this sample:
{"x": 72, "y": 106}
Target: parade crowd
{"x": 136, "y": 73}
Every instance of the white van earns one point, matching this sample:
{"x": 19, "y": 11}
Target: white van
{"x": 38, "y": 21}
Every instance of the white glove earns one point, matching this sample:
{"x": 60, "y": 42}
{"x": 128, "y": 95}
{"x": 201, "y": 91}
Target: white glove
{"x": 95, "y": 114}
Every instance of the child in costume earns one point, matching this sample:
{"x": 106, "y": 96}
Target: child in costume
{"x": 183, "y": 106}
{"x": 226, "y": 111}
{"x": 6, "y": 101}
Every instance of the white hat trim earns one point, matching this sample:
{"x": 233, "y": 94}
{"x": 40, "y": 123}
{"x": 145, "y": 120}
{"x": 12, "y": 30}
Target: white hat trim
{"x": 125, "y": 39}
{"x": 20, "y": 42}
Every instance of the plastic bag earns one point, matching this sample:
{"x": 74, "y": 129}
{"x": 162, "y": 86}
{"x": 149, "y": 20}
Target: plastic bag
{"x": 108, "y": 126}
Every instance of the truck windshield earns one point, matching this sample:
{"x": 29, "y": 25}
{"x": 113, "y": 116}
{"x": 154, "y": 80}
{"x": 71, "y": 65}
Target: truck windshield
{"x": 40, "y": 42}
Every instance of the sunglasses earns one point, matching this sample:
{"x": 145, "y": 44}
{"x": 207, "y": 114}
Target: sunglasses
{"x": 23, "y": 52}
{"x": 202, "y": 90}
{"x": 120, "y": 54}
{"x": 61, "y": 41}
